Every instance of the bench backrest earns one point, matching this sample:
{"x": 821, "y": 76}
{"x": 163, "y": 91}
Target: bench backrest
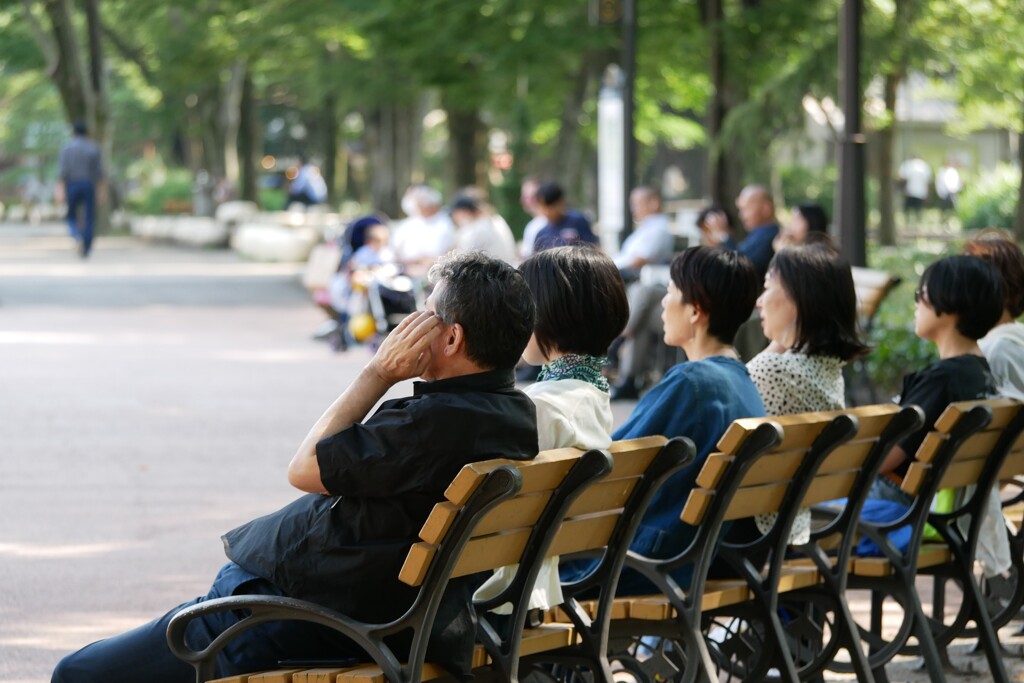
{"x": 766, "y": 485}
{"x": 872, "y": 286}
{"x": 970, "y": 459}
{"x": 503, "y": 534}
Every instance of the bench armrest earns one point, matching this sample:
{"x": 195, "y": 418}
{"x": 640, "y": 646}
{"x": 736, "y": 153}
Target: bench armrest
{"x": 261, "y": 609}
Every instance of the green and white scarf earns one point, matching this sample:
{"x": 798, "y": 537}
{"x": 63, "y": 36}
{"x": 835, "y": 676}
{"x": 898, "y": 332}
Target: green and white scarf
{"x": 575, "y": 366}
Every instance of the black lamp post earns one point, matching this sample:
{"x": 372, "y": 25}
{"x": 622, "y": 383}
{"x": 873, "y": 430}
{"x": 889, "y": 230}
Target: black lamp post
{"x": 850, "y": 199}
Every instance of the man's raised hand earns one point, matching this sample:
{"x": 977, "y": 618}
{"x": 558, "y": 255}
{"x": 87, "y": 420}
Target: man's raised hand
{"x": 406, "y": 352}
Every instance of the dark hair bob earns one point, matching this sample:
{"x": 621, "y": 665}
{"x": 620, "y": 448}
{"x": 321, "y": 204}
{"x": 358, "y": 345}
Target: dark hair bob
{"x": 722, "y": 283}
{"x": 820, "y": 282}
{"x": 580, "y": 298}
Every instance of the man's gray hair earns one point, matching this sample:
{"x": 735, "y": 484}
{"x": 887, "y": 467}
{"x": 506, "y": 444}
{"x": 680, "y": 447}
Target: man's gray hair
{"x": 424, "y": 195}
{"x": 492, "y": 302}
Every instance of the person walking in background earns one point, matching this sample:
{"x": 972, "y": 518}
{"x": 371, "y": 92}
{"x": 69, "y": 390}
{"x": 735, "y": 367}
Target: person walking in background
{"x": 948, "y": 185}
{"x": 81, "y": 172}
{"x": 915, "y": 177}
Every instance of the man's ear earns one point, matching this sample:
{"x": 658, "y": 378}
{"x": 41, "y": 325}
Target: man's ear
{"x": 454, "y": 340}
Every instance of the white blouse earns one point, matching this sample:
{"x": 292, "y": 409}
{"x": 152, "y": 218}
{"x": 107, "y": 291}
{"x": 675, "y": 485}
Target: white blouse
{"x": 570, "y": 413}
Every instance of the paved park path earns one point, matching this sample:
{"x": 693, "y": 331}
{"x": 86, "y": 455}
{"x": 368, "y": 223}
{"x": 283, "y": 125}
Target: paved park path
{"x": 150, "y": 400}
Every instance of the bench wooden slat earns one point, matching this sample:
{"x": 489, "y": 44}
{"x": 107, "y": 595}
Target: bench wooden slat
{"x": 967, "y": 472}
{"x": 765, "y": 498}
{"x": 782, "y": 466}
{"x": 549, "y": 467}
{"x": 800, "y": 431}
{"x": 324, "y": 675}
{"x": 543, "y": 473}
{"x": 1003, "y": 410}
{"x": 930, "y": 555}
{"x": 499, "y": 550}
{"x": 535, "y": 640}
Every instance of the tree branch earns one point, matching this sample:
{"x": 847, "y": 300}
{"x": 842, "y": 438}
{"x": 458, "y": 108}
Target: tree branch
{"x": 129, "y": 52}
{"x": 43, "y": 40}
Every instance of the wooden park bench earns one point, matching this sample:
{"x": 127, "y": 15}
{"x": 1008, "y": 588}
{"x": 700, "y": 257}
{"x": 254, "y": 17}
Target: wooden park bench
{"x": 974, "y": 443}
{"x": 495, "y": 513}
{"x": 872, "y": 287}
{"x": 775, "y": 464}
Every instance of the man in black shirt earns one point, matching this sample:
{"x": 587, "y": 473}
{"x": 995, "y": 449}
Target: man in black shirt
{"x": 371, "y": 485}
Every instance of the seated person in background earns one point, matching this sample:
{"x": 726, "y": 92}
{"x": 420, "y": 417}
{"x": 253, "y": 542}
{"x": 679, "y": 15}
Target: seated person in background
{"x": 959, "y": 299}
{"x": 371, "y": 483}
{"x": 809, "y": 312}
{"x": 477, "y": 231}
{"x": 1003, "y": 346}
{"x": 309, "y": 186}
{"x": 711, "y": 293}
{"x": 426, "y": 235}
{"x": 651, "y": 240}
{"x": 650, "y": 243}
{"x": 357, "y": 273}
{"x": 807, "y": 219}
{"x": 757, "y": 213}
{"x": 565, "y": 226}
{"x": 581, "y": 308}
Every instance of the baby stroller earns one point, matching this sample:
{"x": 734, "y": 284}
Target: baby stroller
{"x": 392, "y": 296}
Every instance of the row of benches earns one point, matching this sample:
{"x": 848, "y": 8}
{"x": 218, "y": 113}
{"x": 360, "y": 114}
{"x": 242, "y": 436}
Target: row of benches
{"x": 791, "y": 616}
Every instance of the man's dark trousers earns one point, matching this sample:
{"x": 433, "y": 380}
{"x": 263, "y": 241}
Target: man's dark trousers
{"x": 81, "y": 195}
{"x": 122, "y": 657}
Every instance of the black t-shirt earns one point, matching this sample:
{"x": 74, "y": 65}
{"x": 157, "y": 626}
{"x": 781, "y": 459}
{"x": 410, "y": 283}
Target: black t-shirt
{"x": 345, "y": 550}
{"x": 960, "y": 378}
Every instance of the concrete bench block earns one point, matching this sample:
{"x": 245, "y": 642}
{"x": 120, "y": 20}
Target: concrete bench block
{"x": 236, "y": 212}
{"x": 270, "y": 242}
{"x": 198, "y": 231}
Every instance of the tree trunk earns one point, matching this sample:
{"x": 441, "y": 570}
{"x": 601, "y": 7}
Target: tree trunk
{"x": 465, "y": 131}
{"x": 69, "y": 74}
{"x": 717, "y": 185}
{"x": 567, "y": 148}
{"x": 230, "y": 119}
{"x": 393, "y": 140}
{"x": 1018, "y": 220}
{"x": 883, "y": 169}
{"x": 102, "y": 125}
{"x": 248, "y": 142}
{"x": 329, "y": 126}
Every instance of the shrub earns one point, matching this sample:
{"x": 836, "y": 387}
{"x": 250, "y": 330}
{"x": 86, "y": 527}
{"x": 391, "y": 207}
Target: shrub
{"x": 801, "y": 184}
{"x": 175, "y": 191}
{"x": 991, "y": 201}
{"x": 896, "y": 350}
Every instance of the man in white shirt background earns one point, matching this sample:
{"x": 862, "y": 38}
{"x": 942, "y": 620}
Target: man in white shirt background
{"x": 478, "y": 231}
{"x": 650, "y": 243}
{"x": 426, "y": 234}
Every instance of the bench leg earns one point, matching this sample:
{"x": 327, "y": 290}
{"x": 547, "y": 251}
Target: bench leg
{"x": 986, "y": 633}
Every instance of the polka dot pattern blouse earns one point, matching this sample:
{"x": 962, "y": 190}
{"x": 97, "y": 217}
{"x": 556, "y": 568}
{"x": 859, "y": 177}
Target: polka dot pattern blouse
{"x": 791, "y": 383}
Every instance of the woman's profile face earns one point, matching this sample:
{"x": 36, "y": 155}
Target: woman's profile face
{"x": 778, "y": 311}
{"x": 797, "y": 228}
{"x": 675, "y": 317}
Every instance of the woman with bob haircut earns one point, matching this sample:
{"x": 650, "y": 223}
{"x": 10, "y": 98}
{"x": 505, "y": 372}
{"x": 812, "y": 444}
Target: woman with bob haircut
{"x": 711, "y": 293}
{"x": 1003, "y": 346}
{"x": 581, "y": 308}
{"x": 959, "y": 299}
{"x": 809, "y": 313}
